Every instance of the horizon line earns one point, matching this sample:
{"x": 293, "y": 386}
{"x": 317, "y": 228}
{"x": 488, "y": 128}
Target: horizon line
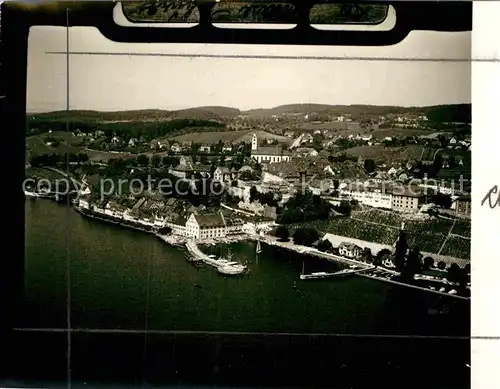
{"x": 244, "y": 110}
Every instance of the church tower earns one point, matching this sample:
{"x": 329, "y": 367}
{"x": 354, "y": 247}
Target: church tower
{"x": 254, "y": 141}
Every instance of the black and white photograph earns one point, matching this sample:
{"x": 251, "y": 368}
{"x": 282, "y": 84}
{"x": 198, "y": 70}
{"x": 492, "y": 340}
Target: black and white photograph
{"x": 284, "y": 192}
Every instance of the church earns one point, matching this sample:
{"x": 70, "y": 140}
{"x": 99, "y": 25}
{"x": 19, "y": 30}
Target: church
{"x": 271, "y": 154}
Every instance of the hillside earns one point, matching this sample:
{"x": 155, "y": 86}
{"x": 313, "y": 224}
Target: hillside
{"x": 205, "y": 113}
{"x": 333, "y": 109}
{"x": 445, "y": 113}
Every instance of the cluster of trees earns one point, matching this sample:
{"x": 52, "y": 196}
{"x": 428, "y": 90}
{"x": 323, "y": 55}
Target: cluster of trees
{"x": 201, "y": 191}
{"x": 136, "y": 129}
{"x": 304, "y": 206}
{"x": 442, "y": 200}
{"x": 263, "y": 198}
{"x": 369, "y": 165}
{"x": 305, "y": 236}
{"x": 408, "y": 262}
{"x": 55, "y": 159}
{"x": 460, "y": 113}
{"x": 341, "y": 158}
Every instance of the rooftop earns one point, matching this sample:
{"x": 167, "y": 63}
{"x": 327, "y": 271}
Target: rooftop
{"x": 209, "y": 220}
{"x": 271, "y": 151}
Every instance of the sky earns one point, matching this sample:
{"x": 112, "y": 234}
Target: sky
{"x": 107, "y": 82}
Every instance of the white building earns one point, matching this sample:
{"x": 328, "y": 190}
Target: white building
{"x": 372, "y": 196}
{"x": 205, "y": 226}
{"x": 222, "y": 174}
{"x": 408, "y": 199}
{"x": 114, "y": 209}
{"x": 349, "y": 250}
{"x": 268, "y": 154}
{"x": 83, "y": 202}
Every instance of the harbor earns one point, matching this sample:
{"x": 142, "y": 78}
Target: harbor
{"x": 224, "y": 266}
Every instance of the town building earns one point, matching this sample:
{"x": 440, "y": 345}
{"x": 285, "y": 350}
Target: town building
{"x": 407, "y": 199}
{"x": 377, "y": 196}
{"x": 203, "y": 226}
{"x": 269, "y": 154}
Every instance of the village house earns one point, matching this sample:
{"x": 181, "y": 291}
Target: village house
{"x": 349, "y": 250}
{"x": 99, "y": 206}
{"x": 205, "y": 148}
{"x": 176, "y": 148}
{"x": 115, "y": 140}
{"x": 234, "y": 225}
{"x": 462, "y": 205}
{"x": 227, "y": 148}
{"x": 306, "y": 151}
{"x": 222, "y": 174}
{"x": 84, "y": 202}
{"x": 177, "y": 223}
{"x": 132, "y": 142}
{"x": 114, "y": 209}
{"x": 268, "y": 154}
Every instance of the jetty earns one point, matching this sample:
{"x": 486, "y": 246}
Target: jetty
{"x": 343, "y": 272}
{"x": 223, "y": 266}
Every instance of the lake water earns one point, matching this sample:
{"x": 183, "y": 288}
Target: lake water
{"x": 126, "y": 279}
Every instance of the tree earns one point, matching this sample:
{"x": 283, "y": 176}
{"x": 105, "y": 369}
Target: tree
{"x": 367, "y": 255}
{"x": 305, "y": 236}
{"x": 325, "y": 245}
{"x": 442, "y": 200}
{"x": 428, "y": 263}
{"x": 441, "y": 265}
{"x": 254, "y": 194}
{"x": 369, "y": 165}
{"x": 453, "y": 273}
{"x": 282, "y": 234}
{"x": 143, "y": 160}
{"x": 165, "y": 230}
{"x": 400, "y": 253}
{"x": 413, "y": 264}
{"x": 156, "y": 160}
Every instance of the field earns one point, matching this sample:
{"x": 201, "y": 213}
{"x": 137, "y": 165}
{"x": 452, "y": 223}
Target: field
{"x": 383, "y": 227}
{"x": 352, "y": 128}
{"x": 384, "y": 154}
{"x": 96, "y": 155}
{"x": 35, "y": 172}
{"x": 229, "y": 137}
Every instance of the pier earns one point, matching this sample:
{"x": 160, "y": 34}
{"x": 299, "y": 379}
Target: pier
{"x": 343, "y": 272}
{"x": 223, "y": 266}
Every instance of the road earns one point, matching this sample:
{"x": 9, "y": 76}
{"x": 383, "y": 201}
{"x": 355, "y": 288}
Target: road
{"x": 77, "y": 183}
{"x": 271, "y": 240}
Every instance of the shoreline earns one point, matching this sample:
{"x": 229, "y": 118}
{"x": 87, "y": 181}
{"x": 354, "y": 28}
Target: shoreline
{"x": 367, "y": 267}
{"x": 267, "y": 240}
{"x": 413, "y": 286}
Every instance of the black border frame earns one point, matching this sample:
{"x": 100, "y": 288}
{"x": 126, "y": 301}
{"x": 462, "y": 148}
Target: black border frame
{"x": 16, "y": 22}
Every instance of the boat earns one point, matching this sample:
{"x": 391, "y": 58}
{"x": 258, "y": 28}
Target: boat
{"x": 229, "y": 267}
{"x": 258, "y": 249}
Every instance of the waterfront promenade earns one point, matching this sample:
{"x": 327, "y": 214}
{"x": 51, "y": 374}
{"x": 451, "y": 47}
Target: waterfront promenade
{"x": 273, "y": 241}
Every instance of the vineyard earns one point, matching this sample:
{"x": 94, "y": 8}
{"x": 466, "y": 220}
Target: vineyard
{"x": 383, "y": 227}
